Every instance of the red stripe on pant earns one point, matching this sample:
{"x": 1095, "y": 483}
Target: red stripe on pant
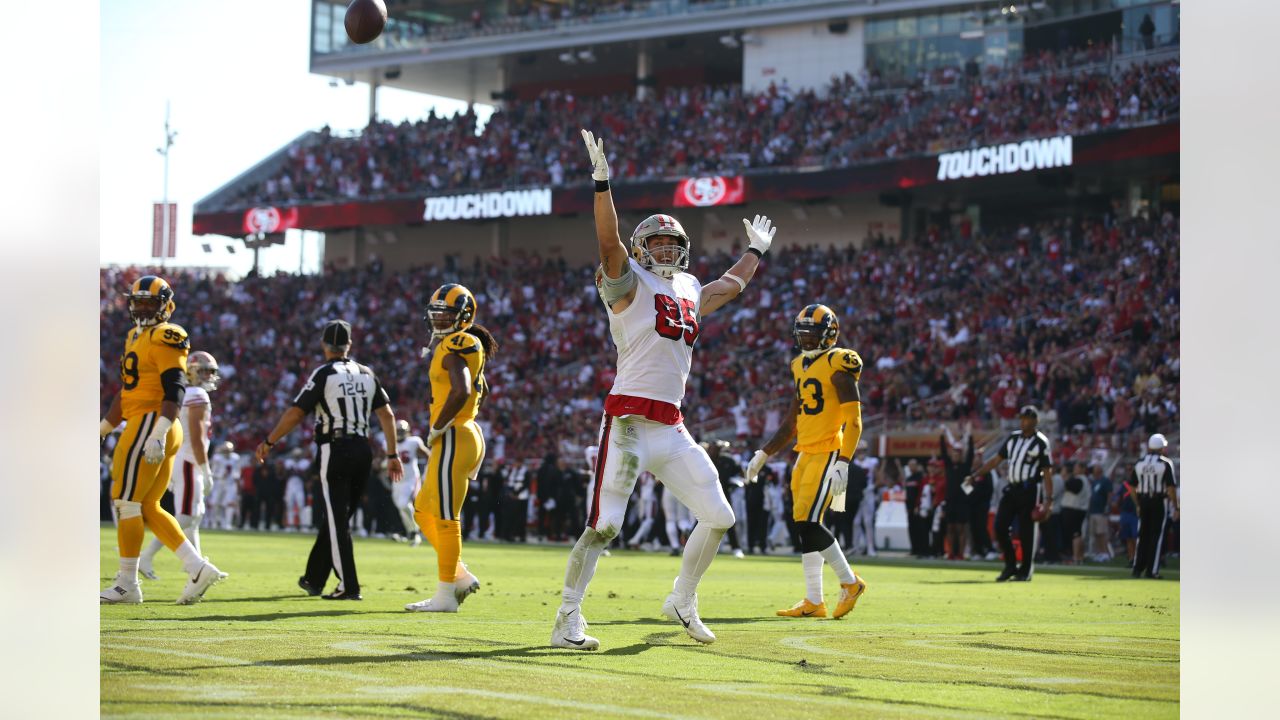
{"x": 188, "y": 485}
{"x": 599, "y": 482}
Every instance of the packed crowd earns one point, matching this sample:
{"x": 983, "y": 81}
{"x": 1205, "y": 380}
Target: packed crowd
{"x": 952, "y": 324}
{"x": 717, "y": 129}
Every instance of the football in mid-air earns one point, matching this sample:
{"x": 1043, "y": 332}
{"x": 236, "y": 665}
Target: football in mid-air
{"x": 365, "y": 20}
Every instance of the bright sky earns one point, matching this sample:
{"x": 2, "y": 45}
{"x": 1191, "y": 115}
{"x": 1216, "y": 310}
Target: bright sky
{"x": 235, "y": 74}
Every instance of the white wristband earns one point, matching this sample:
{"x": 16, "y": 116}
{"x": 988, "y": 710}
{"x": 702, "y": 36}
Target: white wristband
{"x": 162, "y": 427}
{"x": 105, "y": 429}
{"x": 742, "y": 284}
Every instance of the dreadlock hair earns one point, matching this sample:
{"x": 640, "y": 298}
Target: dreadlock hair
{"x": 487, "y": 340}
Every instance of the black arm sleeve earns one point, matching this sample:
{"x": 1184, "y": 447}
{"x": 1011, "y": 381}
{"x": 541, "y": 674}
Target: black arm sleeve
{"x": 1004, "y": 449}
{"x": 174, "y": 382}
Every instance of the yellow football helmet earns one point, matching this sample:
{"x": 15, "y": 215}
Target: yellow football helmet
{"x": 452, "y": 308}
{"x": 815, "y": 330}
{"x": 150, "y": 300}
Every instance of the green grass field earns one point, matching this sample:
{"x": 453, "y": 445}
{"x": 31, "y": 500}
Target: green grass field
{"x": 925, "y": 641}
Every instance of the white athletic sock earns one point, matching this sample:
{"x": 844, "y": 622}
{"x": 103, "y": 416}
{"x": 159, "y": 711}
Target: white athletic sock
{"x": 812, "y": 562}
{"x": 129, "y": 571}
{"x": 444, "y": 589}
{"x": 191, "y": 560}
{"x": 582, "y": 566}
{"x": 837, "y": 561}
{"x": 153, "y": 547}
{"x": 190, "y": 525}
{"x": 699, "y": 551}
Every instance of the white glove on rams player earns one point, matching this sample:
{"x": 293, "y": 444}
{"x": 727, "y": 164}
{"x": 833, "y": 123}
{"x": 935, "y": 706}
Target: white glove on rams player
{"x": 599, "y": 164}
{"x": 756, "y": 465}
{"x": 759, "y": 233}
{"x": 153, "y": 448}
{"x": 838, "y": 477}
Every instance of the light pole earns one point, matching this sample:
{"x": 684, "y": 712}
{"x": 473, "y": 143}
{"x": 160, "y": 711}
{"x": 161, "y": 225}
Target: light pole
{"x": 169, "y": 135}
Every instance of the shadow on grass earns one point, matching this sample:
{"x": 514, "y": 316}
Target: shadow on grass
{"x": 956, "y": 582}
{"x": 354, "y": 709}
{"x": 672, "y": 623}
{"x": 268, "y": 617}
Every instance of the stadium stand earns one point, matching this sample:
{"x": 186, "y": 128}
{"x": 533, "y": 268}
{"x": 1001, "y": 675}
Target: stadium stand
{"x": 723, "y": 130}
{"x": 951, "y": 325}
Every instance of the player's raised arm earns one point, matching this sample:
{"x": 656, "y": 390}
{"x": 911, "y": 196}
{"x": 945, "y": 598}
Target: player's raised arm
{"x": 718, "y": 293}
{"x": 613, "y": 254}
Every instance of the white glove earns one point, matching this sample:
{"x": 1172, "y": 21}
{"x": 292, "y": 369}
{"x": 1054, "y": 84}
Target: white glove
{"x": 756, "y": 465}
{"x": 153, "y": 448}
{"x": 838, "y": 477}
{"x": 759, "y": 233}
{"x": 595, "y": 148}
{"x": 206, "y": 477}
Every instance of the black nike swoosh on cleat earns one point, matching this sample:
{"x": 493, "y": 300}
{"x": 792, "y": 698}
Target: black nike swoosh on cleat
{"x": 576, "y": 642}
{"x": 807, "y": 614}
{"x": 686, "y": 622}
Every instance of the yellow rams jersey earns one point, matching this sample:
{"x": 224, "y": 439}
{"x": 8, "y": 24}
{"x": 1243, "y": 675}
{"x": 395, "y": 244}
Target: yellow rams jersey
{"x": 819, "y": 424}
{"x": 148, "y": 353}
{"x": 467, "y": 347}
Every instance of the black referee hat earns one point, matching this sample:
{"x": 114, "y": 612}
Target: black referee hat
{"x": 1029, "y": 411}
{"x": 337, "y": 333}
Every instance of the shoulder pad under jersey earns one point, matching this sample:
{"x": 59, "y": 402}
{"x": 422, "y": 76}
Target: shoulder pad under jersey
{"x": 171, "y": 335}
{"x": 846, "y": 360}
{"x": 462, "y": 343}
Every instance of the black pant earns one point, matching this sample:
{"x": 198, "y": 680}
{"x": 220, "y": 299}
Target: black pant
{"x": 1018, "y": 501}
{"x": 757, "y": 528}
{"x": 1152, "y": 521}
{"x": 344, "y": 473}
{"x": 918, "y": 533}
{"x": 978, "y": 535}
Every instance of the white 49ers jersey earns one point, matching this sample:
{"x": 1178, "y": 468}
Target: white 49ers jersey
{"x": 194, "y": 396}
{"x": 408, "y": 450}
{"x": 655, "y": 336}
{"x": 226, "y": 467}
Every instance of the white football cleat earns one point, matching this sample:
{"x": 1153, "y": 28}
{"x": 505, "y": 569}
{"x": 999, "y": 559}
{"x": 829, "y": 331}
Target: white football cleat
{"x": 147, "y": 572}
{"x": 738, "y": 553}
{"x": 121, "y": 593}
{"x": 569, "y": 632}
{"x": 445, "y": 600}
{"x": 465, "y": 585}
{"x": 685, "y": 612}
{"x": 205, "y": 578}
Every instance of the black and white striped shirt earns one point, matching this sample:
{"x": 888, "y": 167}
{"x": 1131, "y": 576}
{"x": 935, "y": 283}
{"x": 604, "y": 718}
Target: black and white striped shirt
{"x": 1028, "y": 456}
{"x": 1152, "y": 475}
{"x": 343, "y": 394}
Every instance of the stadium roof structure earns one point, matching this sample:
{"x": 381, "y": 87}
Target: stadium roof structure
{"x": 472, "y": 68}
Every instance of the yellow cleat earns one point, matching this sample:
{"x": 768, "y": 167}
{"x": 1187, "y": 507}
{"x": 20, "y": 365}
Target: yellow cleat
{"x": 849, "y": 595}
{"x": 804, "y": 608}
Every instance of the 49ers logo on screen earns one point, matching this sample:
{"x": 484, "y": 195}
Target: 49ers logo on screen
{"x": 269, "y": 220}
{"x": 708, "y": 191}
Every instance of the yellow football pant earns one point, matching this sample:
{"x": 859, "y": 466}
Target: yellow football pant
{"x": 455, "y": 457}
{"x": 810, "y": 494}
{"x": 135, "y": 479}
